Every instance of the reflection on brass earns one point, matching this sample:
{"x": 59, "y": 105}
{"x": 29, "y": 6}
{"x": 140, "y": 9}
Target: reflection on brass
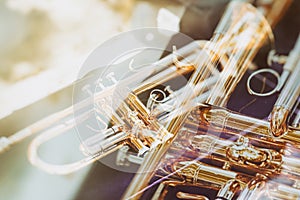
{"x": 182, "y": 136}
{"x": 288, "y": 96}
{"x": 243, "y": 166}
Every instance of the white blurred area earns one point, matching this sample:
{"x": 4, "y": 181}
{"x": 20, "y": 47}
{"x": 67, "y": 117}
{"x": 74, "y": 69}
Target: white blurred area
{"x": 43, "y": 44}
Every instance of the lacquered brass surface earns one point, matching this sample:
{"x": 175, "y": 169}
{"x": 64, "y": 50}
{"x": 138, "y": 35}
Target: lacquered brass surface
{"x": 174, "y": 123}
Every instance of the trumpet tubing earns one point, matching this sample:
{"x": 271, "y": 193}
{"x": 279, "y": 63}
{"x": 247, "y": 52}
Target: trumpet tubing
{"x": 170, "y": 118}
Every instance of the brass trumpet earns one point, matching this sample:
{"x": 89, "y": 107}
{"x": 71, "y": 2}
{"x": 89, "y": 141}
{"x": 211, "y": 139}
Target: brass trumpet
{"x": 181, "y": 133}
{"x": 132, "y": 117}
{"x": 238, "y": 143}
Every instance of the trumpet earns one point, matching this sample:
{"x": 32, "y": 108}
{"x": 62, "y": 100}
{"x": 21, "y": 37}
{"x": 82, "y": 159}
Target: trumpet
{"x": 170, "y": 117}
{"x": 146, "y": 128}
{"x": 227, "y": 156}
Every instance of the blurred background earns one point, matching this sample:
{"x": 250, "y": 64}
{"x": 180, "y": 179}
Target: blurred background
{"x": 43, "y": 44}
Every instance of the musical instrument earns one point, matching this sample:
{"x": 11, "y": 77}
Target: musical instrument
{"x": 169, "y": 117}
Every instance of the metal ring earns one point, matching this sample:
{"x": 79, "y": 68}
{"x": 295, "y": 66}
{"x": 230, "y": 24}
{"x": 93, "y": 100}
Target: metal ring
{"x": 159, "y": 91}
{"x": 252, "y": 92}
